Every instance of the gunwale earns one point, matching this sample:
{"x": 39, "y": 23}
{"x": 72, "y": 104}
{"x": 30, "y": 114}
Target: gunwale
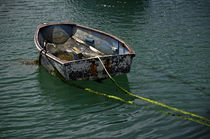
{"x": 64, "y": 62}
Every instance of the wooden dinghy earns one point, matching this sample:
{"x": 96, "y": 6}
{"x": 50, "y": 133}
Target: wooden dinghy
{"x": 73, "y": 51}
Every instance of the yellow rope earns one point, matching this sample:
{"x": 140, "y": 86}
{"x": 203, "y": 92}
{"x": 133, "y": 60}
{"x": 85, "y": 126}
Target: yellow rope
{"x": 133, "y": 103}
{"x": 158, "y": 103}
{"x": 109, "y": 96}
{"x": 201, "y": 121}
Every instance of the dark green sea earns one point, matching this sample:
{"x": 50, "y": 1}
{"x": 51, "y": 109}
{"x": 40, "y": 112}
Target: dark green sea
{"x": 171, "y": 39}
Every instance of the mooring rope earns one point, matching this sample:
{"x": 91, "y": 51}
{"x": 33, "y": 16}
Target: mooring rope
{"x": 133, "y": 103}
{"x": 202, "y": 119}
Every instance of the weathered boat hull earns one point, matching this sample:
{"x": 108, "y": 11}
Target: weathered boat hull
{"x": 88, "y": 68}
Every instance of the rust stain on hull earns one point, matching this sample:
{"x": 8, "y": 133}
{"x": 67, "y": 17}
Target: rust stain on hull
{"x": 107, "y": 65}
{"x": 93, "y": 69}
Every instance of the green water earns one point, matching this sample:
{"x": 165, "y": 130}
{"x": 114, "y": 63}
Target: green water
{"x": 171, "y": 39}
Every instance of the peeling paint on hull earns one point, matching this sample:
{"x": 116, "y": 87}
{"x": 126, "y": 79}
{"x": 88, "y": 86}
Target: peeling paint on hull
{"x": 88, "y": 69}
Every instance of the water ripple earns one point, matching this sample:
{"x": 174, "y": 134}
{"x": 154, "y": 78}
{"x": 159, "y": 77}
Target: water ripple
{"x": 171, "y": 41}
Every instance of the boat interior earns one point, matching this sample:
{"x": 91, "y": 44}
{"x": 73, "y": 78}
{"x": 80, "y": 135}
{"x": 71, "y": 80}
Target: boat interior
{"x": 70, "y": 42}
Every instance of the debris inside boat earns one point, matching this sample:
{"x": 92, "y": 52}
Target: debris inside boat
{"x": 72, "y": 49}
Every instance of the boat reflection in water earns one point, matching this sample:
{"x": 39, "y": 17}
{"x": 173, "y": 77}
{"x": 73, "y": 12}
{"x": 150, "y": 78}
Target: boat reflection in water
{"x": 65, "y": 92}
